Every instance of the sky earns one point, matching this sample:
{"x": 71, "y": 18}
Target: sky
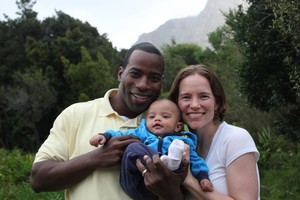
{"x": 122, "y": 20}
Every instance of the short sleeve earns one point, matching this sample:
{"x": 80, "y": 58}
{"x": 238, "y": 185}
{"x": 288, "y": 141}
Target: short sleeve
{"x": 56, "y": 145}
{"x": 237, "y": 143}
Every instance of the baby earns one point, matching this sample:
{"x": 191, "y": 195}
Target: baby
{"x": 161, "y": 133}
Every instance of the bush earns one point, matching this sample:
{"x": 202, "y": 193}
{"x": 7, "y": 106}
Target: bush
{"x": 14, "y": 175}
{"x": 279, "y": 166}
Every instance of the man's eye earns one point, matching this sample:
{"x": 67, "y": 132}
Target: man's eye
{"x": 134, "y": 74}
{"x": 155, "y": 78}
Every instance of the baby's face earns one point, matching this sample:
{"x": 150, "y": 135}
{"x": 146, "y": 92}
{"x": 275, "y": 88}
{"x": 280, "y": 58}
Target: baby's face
{"x": 163, "y": 118}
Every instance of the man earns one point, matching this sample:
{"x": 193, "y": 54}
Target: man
{"x": 67, "y": 161}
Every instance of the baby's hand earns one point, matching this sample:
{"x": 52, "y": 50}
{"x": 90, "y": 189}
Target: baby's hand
{"x": 206, "y": 185}
{"x": 97, "y": 140}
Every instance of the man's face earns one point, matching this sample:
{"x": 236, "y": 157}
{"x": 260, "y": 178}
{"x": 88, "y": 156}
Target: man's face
{"x": 141, "y": 80}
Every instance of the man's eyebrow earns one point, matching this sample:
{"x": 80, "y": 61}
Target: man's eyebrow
{"x": 151, "y": 73}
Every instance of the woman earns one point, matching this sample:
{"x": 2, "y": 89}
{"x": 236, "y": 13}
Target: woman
{"x": 229, "y": 151}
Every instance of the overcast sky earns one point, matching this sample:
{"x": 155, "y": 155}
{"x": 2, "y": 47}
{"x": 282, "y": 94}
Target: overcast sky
{"x": 122, "y": 20}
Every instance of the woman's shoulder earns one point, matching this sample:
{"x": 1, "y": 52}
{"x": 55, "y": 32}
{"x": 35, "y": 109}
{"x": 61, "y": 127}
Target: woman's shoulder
{"x": 232, "y": 130}
{"x": 235, "y": 134}
{"x": 236, "y": 141}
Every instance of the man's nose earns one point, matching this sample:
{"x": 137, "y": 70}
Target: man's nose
{"x": 143, "y": 83}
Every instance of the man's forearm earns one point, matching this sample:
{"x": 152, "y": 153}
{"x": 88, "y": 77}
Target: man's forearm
{"x": 55, "y": 175}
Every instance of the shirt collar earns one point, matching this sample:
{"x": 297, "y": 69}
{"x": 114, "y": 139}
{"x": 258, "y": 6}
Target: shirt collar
{"x": 106, "y": 108}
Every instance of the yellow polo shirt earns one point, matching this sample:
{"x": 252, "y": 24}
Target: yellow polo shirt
{"x": 69, "y": 138}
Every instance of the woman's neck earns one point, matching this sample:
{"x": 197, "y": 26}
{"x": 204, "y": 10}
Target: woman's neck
{"x": 205, "y": 137}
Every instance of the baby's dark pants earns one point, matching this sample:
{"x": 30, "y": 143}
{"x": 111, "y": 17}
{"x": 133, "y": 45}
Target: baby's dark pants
{"x": 131, "y": 179}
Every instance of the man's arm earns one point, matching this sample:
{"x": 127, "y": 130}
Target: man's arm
{"x": 53, "y": 175}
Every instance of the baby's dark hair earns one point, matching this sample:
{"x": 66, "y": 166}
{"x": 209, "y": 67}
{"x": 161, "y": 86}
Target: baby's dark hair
{"x": 144, "y": 46}
{"x": 168, "y": 100}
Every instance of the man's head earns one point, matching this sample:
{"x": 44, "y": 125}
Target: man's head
{"x": 140, "y": 79}
{"x": 144, "y": 46}
{"x": 163, "y": 118}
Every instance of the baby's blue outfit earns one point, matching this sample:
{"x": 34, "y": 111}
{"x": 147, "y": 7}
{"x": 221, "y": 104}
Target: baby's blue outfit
{"x": 161, "y": 144}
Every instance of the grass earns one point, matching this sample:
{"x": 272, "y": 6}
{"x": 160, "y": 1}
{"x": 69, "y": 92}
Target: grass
{"x": 14, "y": 175}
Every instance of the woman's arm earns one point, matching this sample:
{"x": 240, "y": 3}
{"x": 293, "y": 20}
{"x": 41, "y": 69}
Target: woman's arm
{"x": 193, "y": 187}
{"x": 242, "y": 181}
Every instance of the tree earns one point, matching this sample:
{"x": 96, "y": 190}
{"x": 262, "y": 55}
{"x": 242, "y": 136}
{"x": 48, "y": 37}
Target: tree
{"x": 34, "y": 48}
{"x": 270, "y": 72}
{"x": 88, "y": 79}
{"x": 287, "y": 22}
{"x": 225, "y": 58}
{"x": 176, "y": 57}
{"x": 27, "y": 101}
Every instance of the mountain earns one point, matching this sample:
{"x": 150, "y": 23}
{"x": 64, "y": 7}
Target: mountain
{"x": 193, "y": 29}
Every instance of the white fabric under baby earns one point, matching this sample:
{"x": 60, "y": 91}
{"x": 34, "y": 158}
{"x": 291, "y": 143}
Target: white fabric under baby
{"x": 175, "y": 151}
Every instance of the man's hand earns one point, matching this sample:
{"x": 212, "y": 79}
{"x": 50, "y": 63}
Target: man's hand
{"x": 111, "y": 153}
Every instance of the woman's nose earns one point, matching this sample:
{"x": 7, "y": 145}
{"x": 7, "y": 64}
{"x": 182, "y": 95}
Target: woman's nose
{"x": 195, "y": 104}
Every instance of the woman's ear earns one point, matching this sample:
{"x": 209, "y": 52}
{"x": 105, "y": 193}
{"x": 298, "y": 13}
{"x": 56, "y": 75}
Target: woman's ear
{"x": 216, "y": 106}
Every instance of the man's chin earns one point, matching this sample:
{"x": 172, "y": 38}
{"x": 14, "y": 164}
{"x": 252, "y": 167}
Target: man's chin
{"x": 139, "y": 109}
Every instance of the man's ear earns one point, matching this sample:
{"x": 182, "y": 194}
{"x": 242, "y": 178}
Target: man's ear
{"x": 120, "y": 72}
{"x": 178, "y": 127}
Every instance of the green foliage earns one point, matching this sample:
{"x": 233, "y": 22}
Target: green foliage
{"x": 287, "y": 22}
{"x": 224, "y": 59}
{"x": 270, "y": 72}
{"x": 36, "y": 84}
{"x": 14, "y": 175}
{"x": 31, "y": 94}
{"x": 23, "y": 191}
{"x": 16, "y": 133}
{"x": 279, "y": 165}
{"x": 176, "y": 57}
{"x": 26, "y": 102}
{"x": 88, "y": 79}
{"x": 15, "y": 166}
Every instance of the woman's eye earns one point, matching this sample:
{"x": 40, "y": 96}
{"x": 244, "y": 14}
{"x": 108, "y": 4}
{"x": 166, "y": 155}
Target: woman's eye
{"x": 204, "y": 97}
{"x": 185, "y": 97}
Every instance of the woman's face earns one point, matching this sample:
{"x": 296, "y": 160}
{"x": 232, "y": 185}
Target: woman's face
{"x": 196, "y": 102}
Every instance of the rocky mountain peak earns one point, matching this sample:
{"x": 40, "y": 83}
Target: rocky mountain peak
{"x": 193, "y": 29}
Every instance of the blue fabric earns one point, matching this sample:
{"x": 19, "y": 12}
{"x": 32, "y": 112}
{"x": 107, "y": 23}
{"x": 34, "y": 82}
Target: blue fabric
{"x": 199, "y": 168}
